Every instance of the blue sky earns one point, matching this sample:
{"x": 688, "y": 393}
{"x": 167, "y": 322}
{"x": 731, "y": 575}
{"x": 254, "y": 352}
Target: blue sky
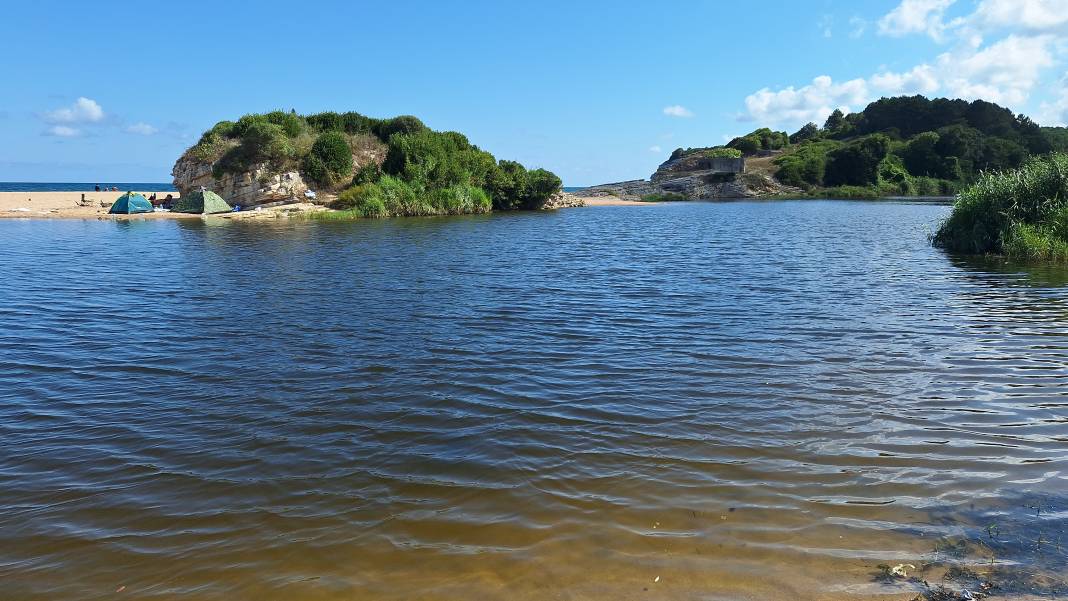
{"x": 595, "y": 91}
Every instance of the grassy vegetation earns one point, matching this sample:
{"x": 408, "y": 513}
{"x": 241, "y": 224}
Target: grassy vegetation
{"x": 424, "y": 172}
{"x": 1021, "y": 213}
{"x": 664, "y": 197}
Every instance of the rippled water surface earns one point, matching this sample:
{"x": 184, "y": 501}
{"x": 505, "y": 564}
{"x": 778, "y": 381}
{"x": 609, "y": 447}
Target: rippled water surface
{"x": 684, "y": 401}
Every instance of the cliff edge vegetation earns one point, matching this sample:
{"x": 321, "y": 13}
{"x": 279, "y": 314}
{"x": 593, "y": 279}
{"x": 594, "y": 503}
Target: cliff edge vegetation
{"x": 371, "y": 167}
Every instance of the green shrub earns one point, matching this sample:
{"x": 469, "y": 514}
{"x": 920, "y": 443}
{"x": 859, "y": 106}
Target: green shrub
{"x": 857, "y": 163}
{"x": 368, "y": 174}
{"x": 405, "y": 124}
{"x": 290, "y": 122}
{"x": 721, "y": 152}
{"x": 425, "y": 172}
{"x": 805, "y": 166}
{"x": 747, "y": 145}
{"x": 848, "y": 192}
{"x": 366, "y": 200}
{"x": 1022, "y": 212}
{"x": 330, "y": 159}
{"x": 663, "y": 197}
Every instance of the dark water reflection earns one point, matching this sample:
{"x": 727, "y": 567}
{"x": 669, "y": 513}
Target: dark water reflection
{"x": 746, "y": 400}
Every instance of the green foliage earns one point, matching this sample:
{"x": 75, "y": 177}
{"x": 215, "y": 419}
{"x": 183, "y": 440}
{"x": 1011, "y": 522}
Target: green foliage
{"x": 512, "y": 187}
{"x": 368, "y": 174}
{"x": 834, "y": 121}
{"x": 393, "y": 197}
{"x": 424, "y": 173}
{"x": 330, "y": 159}
{"x": 1056, "y": 137}
{"x": 805, "y": 166}
{"x": 664, "y": 197}
{"x": 720, "y": 152}
{"x": 262, "y": 142}
{"x": 848, "y": 192}
{"x": 405, "y": 124}
{"x": 857, "y": 163}
{"x": 1022, "y": 213}
{"x": 807, "y": 132}
{"x": 437, "y": 159}
{"x": 747, "y": 145}
{"x": 761, "y": 139}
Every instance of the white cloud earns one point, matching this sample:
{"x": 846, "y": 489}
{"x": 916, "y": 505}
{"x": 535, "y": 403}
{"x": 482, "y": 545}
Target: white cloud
{"x": 920, "y": 80}
{"x": 858, "y": 26}
{"x": 1036, "y": 16}
{"x": 677, "y": 110}
{"x": 813, "y": 102}
{"x": 656, "y": 149}
{"x": 62, "y": 131}
{"x": 143, "y": 129}
{"x": 825, "y": 24}
{"x": 916, "y": 16}
{"x": 1055, "y": 111}
{"x": 1006, "y": 70}
{"x": 84, "y": 110}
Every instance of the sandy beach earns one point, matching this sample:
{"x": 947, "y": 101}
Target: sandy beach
{"x": 68, "y": 205}
{"x": 39, "y": 205}
{"x": 612, "y": 201}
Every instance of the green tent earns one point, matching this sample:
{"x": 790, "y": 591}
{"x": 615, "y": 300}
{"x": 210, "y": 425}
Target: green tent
{"x": 201, "y": 201}
{"x": 131, "y": 202}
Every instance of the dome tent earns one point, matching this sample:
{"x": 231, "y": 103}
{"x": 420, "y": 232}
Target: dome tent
{"x": 201, "y": 201}
{"x": 130, "y": 203}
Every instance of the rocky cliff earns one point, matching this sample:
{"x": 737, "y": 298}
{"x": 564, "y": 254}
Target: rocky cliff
{"x": 696, "y": 177}
{"x": 261, "y": 183}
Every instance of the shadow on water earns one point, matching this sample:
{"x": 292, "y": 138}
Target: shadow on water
{"x": 1011, "y": 546}
{"x": 999, "y": 271}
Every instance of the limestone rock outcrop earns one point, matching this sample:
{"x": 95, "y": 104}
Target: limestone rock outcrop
{"x": 563, "y": 200}
{"x": 695, "y": 177}
{"x": 257, "y": 186}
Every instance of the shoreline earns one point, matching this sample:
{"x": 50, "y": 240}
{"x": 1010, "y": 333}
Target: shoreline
{"x": 66, "y": 205}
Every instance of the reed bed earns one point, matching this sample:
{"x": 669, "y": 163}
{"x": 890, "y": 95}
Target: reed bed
{"x": 1020, "y": 213}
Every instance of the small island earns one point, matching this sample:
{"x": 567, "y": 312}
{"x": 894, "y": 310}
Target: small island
{"x": 360, "y": 167}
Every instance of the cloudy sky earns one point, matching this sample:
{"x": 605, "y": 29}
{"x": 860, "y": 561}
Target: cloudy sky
{"x": 597, "y": 91}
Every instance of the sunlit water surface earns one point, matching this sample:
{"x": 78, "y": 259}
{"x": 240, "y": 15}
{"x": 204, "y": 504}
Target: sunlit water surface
{"x": 684, "y": 401}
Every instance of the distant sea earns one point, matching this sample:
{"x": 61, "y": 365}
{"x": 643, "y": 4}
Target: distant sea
{"x": 83, "y": 187}
{"x": 566, "y": 188}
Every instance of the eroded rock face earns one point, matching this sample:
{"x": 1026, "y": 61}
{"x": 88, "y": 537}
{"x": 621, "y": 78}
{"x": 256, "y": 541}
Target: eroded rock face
{"x": 263, "y": 184}
{"x": 695, "y": 178}
{"x": 248, "y": 189}
{"x": 563, "y": 200}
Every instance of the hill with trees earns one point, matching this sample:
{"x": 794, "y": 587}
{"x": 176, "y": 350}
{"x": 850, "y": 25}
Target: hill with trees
{"x": 375, "y": 167}
{"x": 906, "y": 145}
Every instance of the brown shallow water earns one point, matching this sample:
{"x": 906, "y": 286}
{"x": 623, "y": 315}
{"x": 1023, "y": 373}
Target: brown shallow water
{"x": 686, "y": 401}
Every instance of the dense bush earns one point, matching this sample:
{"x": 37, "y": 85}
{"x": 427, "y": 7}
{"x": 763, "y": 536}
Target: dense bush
{"x": 805, "y": 166}
{"x": 424, "y": 173}
{"x": 720, "y": 152}
{"x": 330, "y": 159}
{"x": 856, "y": 163}
{"x": 761, "y": 139}
{"x": 807, "y": 132}
{"x": 747, "y": 145}
{"x": 512, "y": 187}
{"x": 1022, "y": 213}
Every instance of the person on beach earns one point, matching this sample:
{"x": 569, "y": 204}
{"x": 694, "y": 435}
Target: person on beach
{"x": 98, "y": 187}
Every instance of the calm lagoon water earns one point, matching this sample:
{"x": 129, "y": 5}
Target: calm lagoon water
{"x": 685, "y": 401}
